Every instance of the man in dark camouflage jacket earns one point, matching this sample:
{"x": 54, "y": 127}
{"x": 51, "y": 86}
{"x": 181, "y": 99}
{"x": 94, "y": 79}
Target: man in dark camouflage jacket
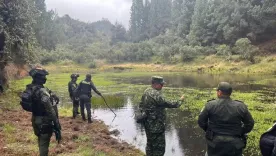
{"x": 153, "y": 105}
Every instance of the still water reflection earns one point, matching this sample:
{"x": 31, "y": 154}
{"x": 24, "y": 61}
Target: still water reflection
{"x": 181, "y": 137}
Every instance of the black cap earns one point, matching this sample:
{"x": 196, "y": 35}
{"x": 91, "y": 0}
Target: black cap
{"x": 38, "y": 72}
{"x": 225, "y": 87}
{"x": 74, "y": 76}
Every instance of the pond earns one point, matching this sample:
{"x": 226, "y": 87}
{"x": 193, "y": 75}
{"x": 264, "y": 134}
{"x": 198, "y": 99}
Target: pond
{"x": 183, "y": 137}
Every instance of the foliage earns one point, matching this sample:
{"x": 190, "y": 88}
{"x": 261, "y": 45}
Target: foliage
{"x": 188, "y": 53}
{"x": 245, "y": 49}
{"x": 224, "y": 50}
{"x": 162, "y": 30}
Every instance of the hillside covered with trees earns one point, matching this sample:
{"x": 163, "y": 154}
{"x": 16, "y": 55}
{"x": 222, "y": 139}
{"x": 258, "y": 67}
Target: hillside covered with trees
{"x": 159, "y": 31}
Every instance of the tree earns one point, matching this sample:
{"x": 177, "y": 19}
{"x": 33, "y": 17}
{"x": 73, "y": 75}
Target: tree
{"x": 182, "y": 12}
{"x": 198, "y": 23}
{"x": 245, "y": 49}
{"x": 160, "y": 16}
{"x": 136, "y": 20}
{"x": 118, "y": 33}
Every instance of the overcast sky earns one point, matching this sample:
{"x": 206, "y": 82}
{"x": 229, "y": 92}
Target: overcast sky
{"x": 93, "y": 10}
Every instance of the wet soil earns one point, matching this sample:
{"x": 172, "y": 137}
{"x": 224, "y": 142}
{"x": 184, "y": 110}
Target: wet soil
{"x": 75, "y": 133}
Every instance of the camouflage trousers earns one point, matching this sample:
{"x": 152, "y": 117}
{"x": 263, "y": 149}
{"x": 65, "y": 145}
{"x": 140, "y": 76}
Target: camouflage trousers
{"x": 85, "y": 102}
{"x": 225, "y": 146}
{"x": 156, "y": 143}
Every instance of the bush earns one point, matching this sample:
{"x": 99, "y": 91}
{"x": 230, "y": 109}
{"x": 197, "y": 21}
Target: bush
{"x": 188, "y": 53}
{"x": 92, "y": 65}
{"x": 247, "y": 51}
{"x": 224, "y": 50}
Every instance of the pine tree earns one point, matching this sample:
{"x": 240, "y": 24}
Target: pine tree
{"x": 136, "y": 19}
{"x": 160, "y": 16}
{"x": 182, "y": 12}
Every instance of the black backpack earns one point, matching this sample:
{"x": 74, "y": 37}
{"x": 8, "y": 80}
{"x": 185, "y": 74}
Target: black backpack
{"x": 27, "y": 97}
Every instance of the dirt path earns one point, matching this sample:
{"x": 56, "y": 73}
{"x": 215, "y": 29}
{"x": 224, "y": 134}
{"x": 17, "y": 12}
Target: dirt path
{"x": 79, "y": 138}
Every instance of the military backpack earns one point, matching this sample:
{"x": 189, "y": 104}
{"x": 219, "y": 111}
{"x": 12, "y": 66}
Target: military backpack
{"x": 28, "y": 97}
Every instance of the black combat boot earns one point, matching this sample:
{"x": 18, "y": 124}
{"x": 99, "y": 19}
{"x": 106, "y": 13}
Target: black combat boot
{"x": 90, "y": 121}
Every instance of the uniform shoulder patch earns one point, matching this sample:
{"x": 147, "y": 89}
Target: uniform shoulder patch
{"x": 211, "y": 100}
{"x": 45, "y": 99}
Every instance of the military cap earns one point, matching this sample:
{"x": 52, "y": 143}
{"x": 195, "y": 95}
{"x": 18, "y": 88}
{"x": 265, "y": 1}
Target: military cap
{"x": 157, "y": 79}
{"x": 225, "y": 87}
{"x": 74, "y": 76}
{"x": 38, "y": 72}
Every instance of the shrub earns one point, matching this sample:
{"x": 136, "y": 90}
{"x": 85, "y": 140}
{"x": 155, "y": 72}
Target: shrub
{"x": 224, "y": 50}
{"x": 92, "y": 65}
{"x": 188, "y": 53}
{"x": 247, "y": 51}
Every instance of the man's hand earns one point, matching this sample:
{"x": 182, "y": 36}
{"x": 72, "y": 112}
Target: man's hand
{"x": 182, "y": 98}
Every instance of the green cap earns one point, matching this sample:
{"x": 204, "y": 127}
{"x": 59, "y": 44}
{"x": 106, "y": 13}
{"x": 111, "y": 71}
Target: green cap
{"x": 157, "y": 79}
{"x": 225, "y": 87}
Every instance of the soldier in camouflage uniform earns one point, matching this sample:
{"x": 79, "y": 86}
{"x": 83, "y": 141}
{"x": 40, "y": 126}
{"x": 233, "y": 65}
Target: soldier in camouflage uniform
{"x": 153, "y": 105}
{"x": 72, "y": 86}
{"x": 44, "y": 117}
{"x": 225, "y": 122}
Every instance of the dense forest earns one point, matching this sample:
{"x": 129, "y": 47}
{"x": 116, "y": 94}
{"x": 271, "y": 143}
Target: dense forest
{"x": 159, "y": 31}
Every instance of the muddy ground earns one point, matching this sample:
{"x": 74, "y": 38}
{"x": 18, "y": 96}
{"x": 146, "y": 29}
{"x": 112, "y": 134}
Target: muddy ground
{"x": 16, "y": 137}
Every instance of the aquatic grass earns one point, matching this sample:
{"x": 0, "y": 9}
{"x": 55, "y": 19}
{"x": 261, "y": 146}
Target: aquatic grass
{"x": 112, "y": 100}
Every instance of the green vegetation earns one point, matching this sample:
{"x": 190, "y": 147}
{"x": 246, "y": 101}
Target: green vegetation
{"x": 115, "y": 86}
{"x": 161, "y": 31}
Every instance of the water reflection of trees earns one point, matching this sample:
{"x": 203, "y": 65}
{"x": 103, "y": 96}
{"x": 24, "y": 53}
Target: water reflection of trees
{"x": 190, "y": 135}
{"x": 240, "y": 82}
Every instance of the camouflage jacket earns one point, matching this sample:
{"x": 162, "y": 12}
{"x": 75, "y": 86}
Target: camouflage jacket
{"x": 43, "y": 105}
{"x": 153, "y": 104}
{"x": 226, "y": 117}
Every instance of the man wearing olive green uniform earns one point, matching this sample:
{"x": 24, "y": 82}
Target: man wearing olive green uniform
{"x": 153, "y": 105}
{"x": 44, "y": 117}
{"x": 225, "y": 122}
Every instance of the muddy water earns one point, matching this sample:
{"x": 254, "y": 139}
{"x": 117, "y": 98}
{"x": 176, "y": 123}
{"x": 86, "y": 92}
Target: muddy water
{"x": 183, "y": 137}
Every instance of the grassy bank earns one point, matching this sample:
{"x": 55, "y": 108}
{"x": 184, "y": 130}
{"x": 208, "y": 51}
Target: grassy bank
{"x": 79, "y": 138}
{"x": 210, "y": 64}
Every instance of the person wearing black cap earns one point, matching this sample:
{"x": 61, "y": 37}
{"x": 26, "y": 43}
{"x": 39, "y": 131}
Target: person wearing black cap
{"x": 225, "y": 122}
{"x": 153, "y": 105}
{"x": 84, "y": 92}
{"x": 44, "y": 117}
{"x": 72, "y": 86}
